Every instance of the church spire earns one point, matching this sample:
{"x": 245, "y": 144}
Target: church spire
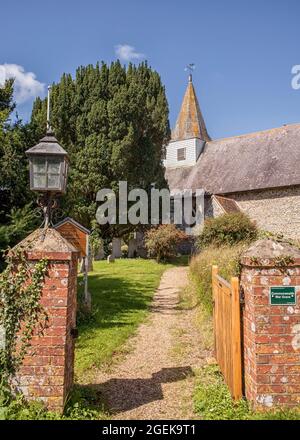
{"x": 190, "y": 122}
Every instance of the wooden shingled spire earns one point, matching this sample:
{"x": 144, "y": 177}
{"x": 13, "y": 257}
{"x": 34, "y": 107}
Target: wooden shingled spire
{"x": 190, "y": 122}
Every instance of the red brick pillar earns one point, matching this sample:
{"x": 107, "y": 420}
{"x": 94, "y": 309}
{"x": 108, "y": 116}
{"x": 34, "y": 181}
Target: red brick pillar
{"x": 47, "y": 370}
{"x": 271, "y": 324}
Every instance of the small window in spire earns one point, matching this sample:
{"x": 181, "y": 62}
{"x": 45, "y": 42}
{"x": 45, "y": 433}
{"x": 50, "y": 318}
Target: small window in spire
{"x": 181, "y": 154}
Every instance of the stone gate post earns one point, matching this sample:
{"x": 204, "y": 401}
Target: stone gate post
{"x": 47, "y": 370}
{"x": 270, "y": 280}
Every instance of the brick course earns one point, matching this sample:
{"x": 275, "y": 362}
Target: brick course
{"x": 271, "y": 332}
{"x": 47, "y": 370}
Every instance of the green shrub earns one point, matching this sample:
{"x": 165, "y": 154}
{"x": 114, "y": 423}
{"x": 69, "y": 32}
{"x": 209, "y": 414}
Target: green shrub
{"x": 227, "y": 229}
{"x": 161, "y": 242}
{"x": 225, "y": 257}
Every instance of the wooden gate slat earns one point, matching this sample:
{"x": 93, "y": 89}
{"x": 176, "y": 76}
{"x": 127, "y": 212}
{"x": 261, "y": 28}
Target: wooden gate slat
{"x": 227, "y": 331}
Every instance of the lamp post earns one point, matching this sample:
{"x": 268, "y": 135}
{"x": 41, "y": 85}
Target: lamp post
{"x": 48, "y": 168}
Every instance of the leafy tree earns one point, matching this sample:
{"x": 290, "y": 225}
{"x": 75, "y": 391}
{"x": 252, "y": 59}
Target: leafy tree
{"x": 114, "y": 124}
{"x": 14, "y": 187}
{"x": 16, "y": 215}
{"x": 20, "y": 222}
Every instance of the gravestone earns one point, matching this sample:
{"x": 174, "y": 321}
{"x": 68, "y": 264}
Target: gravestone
{"x": 100, "y": 255}
{"x": 141, "y": 250}
{"x": 132, "y": 248}
{"x": 116, "y": 247}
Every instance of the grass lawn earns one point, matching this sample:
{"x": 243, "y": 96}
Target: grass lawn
{"x": 121, "y": 294}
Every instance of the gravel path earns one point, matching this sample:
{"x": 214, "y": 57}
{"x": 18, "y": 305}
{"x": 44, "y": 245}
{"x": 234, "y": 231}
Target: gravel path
{"x": 155, "y": 380}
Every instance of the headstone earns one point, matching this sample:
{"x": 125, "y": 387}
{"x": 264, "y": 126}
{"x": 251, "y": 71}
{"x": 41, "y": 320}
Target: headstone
{"x": 110, "y": 259}
{"x": 116, "y": 247}
{"x": 141, "y": 250}
{"x": 100, "y": 254}
{"x": 132, "y": 248}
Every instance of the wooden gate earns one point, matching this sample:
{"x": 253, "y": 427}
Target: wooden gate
{"x": 227, "y": 330}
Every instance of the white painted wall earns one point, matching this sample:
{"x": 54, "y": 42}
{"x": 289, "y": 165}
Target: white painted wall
{"x": 193, "y": 148}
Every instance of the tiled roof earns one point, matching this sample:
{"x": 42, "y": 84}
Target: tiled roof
{"x": 228, "y": 205}
{"x": 265, "y": 159}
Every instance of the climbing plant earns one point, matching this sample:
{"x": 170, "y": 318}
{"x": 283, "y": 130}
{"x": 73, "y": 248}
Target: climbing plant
{"x": 21, "y": 314}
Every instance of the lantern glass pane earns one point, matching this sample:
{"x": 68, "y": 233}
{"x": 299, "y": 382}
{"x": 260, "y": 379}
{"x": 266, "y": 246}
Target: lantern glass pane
{"x": 53, "y": 181}
{"x": 39, "y": 165}
{"x": 39, "y": 181}
{"x": 53, "y": 172}
{"x": 54, "y": 166}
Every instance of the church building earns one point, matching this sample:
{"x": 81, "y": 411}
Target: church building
{"x": 257, "y": 173}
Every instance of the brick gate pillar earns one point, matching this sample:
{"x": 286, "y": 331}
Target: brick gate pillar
{"x": 47, "y": 370}
{"x": 271, "y": 324}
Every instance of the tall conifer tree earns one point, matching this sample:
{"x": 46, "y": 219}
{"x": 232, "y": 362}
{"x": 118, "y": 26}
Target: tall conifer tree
{"x": 113, "y": 122}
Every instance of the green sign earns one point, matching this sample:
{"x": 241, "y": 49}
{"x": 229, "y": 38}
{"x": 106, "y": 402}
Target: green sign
{"x": 283, "y": 295}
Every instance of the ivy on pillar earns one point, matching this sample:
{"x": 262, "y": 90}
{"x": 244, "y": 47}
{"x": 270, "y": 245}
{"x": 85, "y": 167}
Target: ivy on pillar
{"x": 47, "y": 371}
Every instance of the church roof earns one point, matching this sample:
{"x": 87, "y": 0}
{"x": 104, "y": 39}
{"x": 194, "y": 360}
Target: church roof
{"x": 190, "y": 122}
{"x": 261, "y": 160}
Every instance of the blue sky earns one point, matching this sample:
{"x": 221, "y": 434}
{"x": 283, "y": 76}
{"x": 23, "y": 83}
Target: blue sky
{"x": 243, "y": 51}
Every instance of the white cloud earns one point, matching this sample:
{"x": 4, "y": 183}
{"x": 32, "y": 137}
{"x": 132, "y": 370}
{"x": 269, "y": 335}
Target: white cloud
{"x": 26, "y": 85}
{"x": 127, "y": 53}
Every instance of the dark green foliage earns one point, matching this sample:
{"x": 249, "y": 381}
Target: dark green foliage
{"x": 114, "y": 124}
{"x": 16, "y": 216}
{"x": 20, "y": 222}
{"x": 14, "y": 187}
{"x": 227, "y": 229}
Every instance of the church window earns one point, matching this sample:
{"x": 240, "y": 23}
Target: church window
{"x": 181, "y": 154}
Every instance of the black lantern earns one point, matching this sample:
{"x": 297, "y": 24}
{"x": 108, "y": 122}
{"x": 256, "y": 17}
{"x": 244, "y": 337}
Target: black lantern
{"x": 48, "y": 163}
{"x": 48, "y": 167}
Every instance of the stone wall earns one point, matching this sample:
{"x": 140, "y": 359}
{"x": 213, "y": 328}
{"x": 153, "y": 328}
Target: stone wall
{"x": 276, "y": 210}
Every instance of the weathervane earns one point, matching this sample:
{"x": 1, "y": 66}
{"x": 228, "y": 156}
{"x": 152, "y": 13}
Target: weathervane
{"x": 190, "y": 68}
